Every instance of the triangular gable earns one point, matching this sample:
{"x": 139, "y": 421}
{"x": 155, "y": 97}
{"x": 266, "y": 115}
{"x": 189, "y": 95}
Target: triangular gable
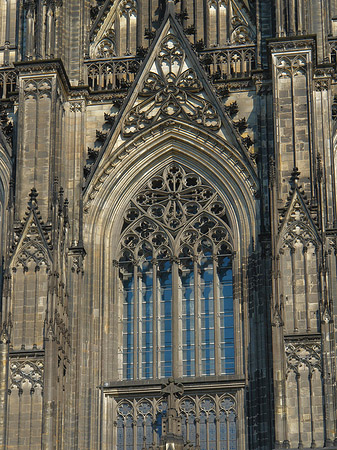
{"x": 32, "y": 239}
{"x": 172, "y": 84}
{"x": 297, "y": 216}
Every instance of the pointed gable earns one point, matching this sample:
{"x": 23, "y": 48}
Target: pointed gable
{"x": 172, "y": 85}
{"x": 32, "y": 243}
{"x": 296, "y": 220}
{"x": 171, "y": 88}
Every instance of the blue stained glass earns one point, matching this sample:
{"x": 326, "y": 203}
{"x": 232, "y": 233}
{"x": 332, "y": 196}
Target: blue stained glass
{"x": 206, "y": 295}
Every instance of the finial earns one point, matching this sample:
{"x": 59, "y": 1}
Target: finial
{"x": 295, "y": 176}
{"x": 170, "y": 6}
{"x": 33, "y": 195}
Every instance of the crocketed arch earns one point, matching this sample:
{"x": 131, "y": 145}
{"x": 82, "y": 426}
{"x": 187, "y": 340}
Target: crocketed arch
{"x": 121, "y": 175}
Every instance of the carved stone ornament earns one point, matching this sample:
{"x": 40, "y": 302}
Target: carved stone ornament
{"x": 298, "y": 226}
{"x": 301, "y": 353}
{"x": 322, "y": 84}
{"x": 174, "y": 91}
{"x": 38, "y": 88}
{"x": 288, "y": 66}
{"x": 26, "y": 371}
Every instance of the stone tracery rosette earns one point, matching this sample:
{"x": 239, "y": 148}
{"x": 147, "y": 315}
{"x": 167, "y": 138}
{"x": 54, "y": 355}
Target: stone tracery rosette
{"x": 26, "y": 371}
{"x": 171, "y": 200}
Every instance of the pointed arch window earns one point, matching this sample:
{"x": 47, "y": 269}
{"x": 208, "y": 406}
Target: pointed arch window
{"x": 176, "y": 280}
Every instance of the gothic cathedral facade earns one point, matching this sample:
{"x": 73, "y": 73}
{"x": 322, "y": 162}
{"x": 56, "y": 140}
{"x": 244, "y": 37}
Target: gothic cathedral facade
{"x": 168, "y": 222}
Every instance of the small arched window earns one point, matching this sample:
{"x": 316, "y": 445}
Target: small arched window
{"x": 176, "y": 282}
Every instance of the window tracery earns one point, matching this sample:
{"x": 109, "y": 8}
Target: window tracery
{"x": 105, "y": 49}
{"x": 176, "y": 283}
{"x": 205, "y": 421}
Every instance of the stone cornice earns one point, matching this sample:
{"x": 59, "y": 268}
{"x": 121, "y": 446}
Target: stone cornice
{"x": 46, "y": 67}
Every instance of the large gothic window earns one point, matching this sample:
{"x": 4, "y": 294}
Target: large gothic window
{"x": 176, "y": 281}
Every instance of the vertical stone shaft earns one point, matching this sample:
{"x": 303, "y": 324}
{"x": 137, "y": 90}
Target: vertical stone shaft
{"x": 4, "y": 363}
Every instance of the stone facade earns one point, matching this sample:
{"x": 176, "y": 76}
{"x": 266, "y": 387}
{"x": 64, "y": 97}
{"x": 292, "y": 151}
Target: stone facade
{"x": 168, "y": 223}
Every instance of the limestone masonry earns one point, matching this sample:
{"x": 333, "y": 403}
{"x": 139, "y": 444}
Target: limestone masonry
{"x": 168, "y": 222}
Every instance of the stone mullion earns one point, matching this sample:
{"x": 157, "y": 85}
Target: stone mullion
{"x": 128, "y": 31}
{"x": 323, "y": 133}
{"x": 299, "y": 17}
{"x": 114, "y": 423}
{"x": 30, "y": 32}
{"x": 217, "y": 422}
{"x": 135, "y": 321}
{"x": 155, "y": 320}
{"x": 197, "y": 421}
{"x": 279, "y": 388}
{"x": 58, "y": 32}
{"x": 216, "y": 299}
{"x": 227, "y": 431}
{"x": 329, "y": 412}
{"x": 113, "y": 324}
{"x": 218, "y": 24}
{"x": 325, "y": 43}
{"x": 198, "y": 20}
{"x": 293, "y": 286}
{"x": 279, "y": 18}
{"x": 279, "y": 362}
{"x": 118, "y": 33}
{"x": 24, "y": 301}
{"x": 306, "y": 288}
{"x": 21, "y": 14}
{"x": 75, "y": 395}
{"x": 49, "y": 390}
{"x": 139, "y": 24}
{"x": 292, "y": 22}
{"x": 196, "y": 316}
{"x": 7, "y": 32}
{"x": 49, "y": 31}
{"x": 35, "y": 306}
{"x": 41, "y": 25}
{"x": 134, "y": 423}
{"x": 293, "y": 117}
{"x": 176, "y": 363}
{"x": 299, "y": 410}
{"x": 4, "y": 374}
{"x": 207, "y": 24}
{"x": 124, "y": 433}
{"x": 312, "y": 420}
{"x": 229, "y": 20}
